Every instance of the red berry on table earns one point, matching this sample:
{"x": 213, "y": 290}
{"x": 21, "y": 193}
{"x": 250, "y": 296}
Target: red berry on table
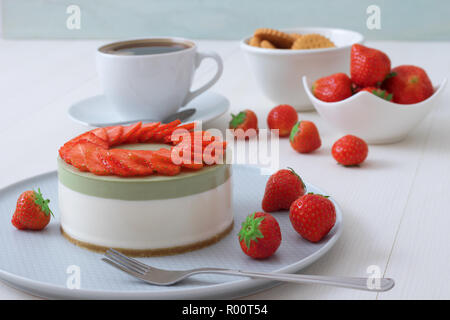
{"x": 282, "y": 188}
{"x": 244, "y": 120}
{"x": 332, "y": 88}
{"x": 260, "y": 235}
{"x": 368, "y": 66}
{"x": 350, "y": 150}
{"x": 283, "y": 118}
{"x": 383, "y": 94}
{"x": 312, "y": 216}
{"x": 409, "y": 84}
{"x": 305, "y": 137}
{"x": 32, "y": 211}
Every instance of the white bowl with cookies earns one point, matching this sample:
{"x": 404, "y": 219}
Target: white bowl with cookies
{"x": 279, "y": 60}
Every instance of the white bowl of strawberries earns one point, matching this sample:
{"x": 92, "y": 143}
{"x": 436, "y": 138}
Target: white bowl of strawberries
{"x": 377, "y": 103}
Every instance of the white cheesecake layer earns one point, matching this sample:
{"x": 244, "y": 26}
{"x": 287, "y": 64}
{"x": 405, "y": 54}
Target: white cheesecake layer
{"x": 146, "y": 224}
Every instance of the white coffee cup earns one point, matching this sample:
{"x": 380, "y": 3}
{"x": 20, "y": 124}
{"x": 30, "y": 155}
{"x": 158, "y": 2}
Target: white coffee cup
{"x": 151, "y": 78}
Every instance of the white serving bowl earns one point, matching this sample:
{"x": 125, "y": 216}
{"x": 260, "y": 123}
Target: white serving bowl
{"x": 371, "y": 118}
{"x": 279, "y": 71}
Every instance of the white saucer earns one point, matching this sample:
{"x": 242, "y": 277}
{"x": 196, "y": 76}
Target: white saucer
{"x": 96, "y": 111}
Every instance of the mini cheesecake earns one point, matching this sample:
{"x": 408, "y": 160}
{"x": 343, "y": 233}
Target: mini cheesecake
{"x": 145, "y": 216}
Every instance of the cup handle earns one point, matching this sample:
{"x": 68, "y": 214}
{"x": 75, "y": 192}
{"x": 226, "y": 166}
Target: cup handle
{"x": 199, "y": 58}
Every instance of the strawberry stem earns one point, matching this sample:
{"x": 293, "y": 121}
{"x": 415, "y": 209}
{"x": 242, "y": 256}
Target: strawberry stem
{"x": 292, "y": 170}
{"x": 237, "y": 119}
{"x": 318, "y": 194}
{"x": 390, "y": 75}
{"x": 42, "y": 203}
{"x": 294, "y": 131}
{"x": 250, "y": 230}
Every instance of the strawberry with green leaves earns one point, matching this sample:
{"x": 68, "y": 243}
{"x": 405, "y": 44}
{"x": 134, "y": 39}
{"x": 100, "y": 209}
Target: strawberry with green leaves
{"x": 32, "y": 211}
{"x": 312, "y": 216}
{"x": 305, "y": 137}
{"x": 260, "y": 235}
{"x": 282, "y": 188}
{"x": 409, "y": 84}
{"x": 368, "y": 66}
{"x": 244, "y": 120}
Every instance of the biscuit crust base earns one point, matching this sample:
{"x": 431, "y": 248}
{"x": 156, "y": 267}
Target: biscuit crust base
{"x": 152, "y": 252}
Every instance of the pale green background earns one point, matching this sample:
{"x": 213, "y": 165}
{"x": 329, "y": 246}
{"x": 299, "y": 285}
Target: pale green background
{"x": 225, "y": 19}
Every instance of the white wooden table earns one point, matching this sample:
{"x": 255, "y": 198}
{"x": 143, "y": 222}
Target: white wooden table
{"x": 396, "y": 206}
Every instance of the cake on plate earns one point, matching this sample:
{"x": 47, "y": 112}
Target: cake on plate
{"x": 120, "y": 187}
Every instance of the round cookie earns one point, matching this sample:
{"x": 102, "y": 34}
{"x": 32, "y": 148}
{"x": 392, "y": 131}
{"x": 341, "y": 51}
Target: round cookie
{"x": 267, "y": 45}
{"x": 296, "y": 36}
{"x": 278, "y": 38}
{"x": 255, "y": 41}
{"x": 312, "y": 41}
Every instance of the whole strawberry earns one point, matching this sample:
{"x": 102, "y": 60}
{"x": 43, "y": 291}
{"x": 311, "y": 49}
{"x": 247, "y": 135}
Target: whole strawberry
{"x": 32, "y": 211}
{"x": 312, "y": 216}
{"x": 283, "y": 118}
{"x": 368, "y": 66}
{"x": 305, "y": 137}
{"x": 409, "y": 84}
{"x": 383, "y": 94}
{"x": 333, "y": 88}
{"x": 244, "y": 120}
{"x": 282, "y": 188}
{"x": 350, "y": 150}
{"x": 260, "y": 235}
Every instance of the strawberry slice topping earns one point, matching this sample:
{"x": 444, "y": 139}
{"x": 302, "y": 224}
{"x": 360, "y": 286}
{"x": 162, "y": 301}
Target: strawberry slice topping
{"x": 114, "y": 135}
{"x": 138, "y": 164}
{"x": 93, "y": 158}
{"x": 163, "y": 155}
{"x": 77, "y": 156}
{"x": 101, "y": 133}
{"x": 143, "y": 157}
{"x": 65, "y": 150}
{"x": 192, "y": 165}
{"x": 134, "y": 137}
{"x": 165, "y": 129}
{"x": 165, "y": 168}
{"x": 114, "y": 164}
{"x": 122, "y": 164}
{"x": 147, "y": 131}
{"x": 128, "y": 131}
{"x": 91, "y": 137}
{"x": 90, "y": 151}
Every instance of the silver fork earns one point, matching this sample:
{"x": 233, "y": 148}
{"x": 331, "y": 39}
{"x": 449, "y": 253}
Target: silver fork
{"x": 162, "y": 277}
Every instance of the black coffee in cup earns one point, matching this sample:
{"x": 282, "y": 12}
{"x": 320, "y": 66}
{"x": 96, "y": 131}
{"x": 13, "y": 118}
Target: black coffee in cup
{"x": 139, "y": 48}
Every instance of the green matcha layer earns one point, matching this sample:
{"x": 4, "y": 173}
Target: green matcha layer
{"x": 143, "y": 188}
